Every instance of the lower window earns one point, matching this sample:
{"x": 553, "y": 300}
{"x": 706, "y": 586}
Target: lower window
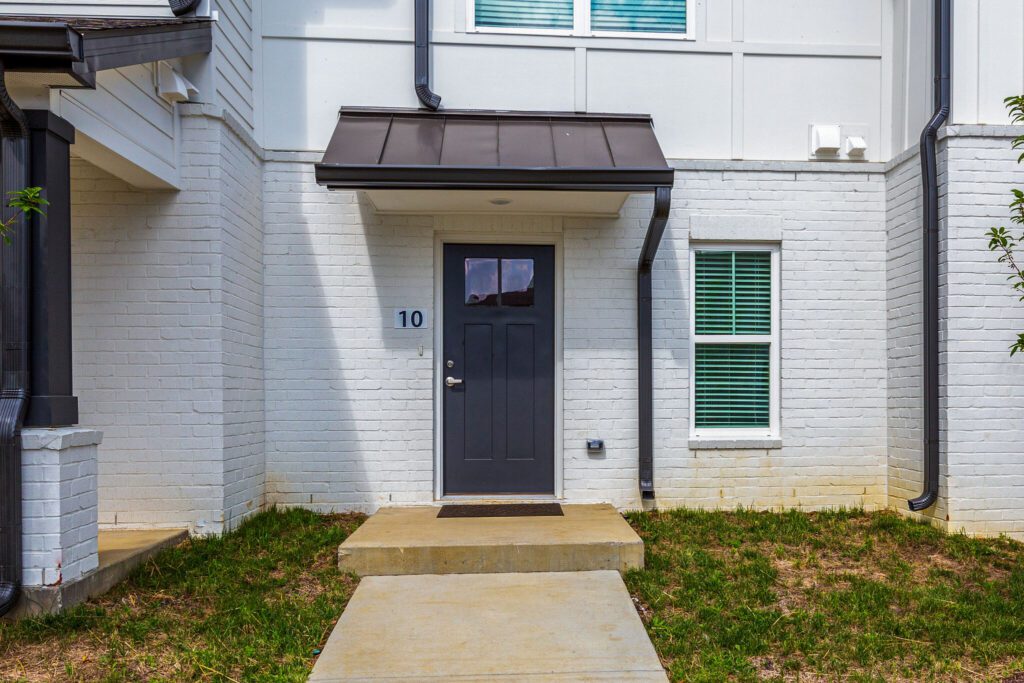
{"x": 734, "y": 319}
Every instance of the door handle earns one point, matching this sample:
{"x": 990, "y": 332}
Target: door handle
{"x": 452, "y": 381}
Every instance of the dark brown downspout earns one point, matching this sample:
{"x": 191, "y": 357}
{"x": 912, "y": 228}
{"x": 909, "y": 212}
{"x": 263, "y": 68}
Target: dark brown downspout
{"x": 645, "y": 337}
{"x": 930, "y": 275}
{"x": 14, "y": 337}
{"x": 427, "y": 97}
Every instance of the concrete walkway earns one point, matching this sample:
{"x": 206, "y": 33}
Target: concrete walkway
{"x": 541, "y": 626}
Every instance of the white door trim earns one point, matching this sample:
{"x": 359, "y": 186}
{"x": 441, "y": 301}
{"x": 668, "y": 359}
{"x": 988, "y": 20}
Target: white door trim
{"x": 540, "y": 239}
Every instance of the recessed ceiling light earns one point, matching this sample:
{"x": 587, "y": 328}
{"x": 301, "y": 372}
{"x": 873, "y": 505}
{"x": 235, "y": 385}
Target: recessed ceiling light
{"x": 500, "y": 201}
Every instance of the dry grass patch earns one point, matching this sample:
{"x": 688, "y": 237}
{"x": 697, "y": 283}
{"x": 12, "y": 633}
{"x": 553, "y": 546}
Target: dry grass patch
{"x": 253, "y": 605}
{"x": 848, "y": 596}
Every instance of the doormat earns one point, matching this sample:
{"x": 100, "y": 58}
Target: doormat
{"x": 510, "y": 510}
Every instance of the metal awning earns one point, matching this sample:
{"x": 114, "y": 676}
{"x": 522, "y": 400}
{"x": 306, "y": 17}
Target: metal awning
{"x": 78, "y": 47}
{"x": 481, "y": 150}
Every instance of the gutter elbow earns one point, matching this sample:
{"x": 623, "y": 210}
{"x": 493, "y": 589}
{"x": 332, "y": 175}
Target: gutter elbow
{"x": 9, "y": 592}
{"x": 924, "y": 501}
{"x": 427, "y": 98}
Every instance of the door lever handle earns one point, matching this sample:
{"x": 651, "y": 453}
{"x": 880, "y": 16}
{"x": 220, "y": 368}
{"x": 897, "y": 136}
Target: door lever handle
{"x": 452, "y": 381}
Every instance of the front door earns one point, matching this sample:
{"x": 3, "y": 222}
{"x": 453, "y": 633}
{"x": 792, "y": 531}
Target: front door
{"x": 498, "y": 369}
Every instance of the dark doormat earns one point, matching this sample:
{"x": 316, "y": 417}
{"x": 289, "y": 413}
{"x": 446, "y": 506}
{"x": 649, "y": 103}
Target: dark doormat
{"x": 511, "y": 510}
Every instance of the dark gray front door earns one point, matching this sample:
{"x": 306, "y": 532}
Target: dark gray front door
{"x": 498, "y": 369}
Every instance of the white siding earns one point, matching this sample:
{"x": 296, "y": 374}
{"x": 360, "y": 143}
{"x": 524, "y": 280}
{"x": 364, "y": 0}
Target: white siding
{"x": 988, "y": 59}
{"x": 801, "y": 61}
{"x": 134, "y": 131}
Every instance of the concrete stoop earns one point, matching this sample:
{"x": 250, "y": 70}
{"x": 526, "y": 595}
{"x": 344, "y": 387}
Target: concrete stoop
{"x": 120, "y": 552}
{"x": 541, "y": 626}
{"x": 486, "y": 599}
{"x": 412, "y": 541}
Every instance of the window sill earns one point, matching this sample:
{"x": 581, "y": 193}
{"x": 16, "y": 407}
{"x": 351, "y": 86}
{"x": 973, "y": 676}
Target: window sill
{"x": 741, "y": 444}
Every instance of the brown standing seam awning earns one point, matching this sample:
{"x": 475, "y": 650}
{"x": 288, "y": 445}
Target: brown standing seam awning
{"x": 419, "y": 149}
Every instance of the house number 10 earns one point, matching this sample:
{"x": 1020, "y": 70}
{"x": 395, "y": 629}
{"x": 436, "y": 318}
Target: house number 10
{"x": 410, "y": 319}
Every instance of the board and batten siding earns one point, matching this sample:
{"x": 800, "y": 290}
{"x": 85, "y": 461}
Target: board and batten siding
{"x": 756, "y": 76}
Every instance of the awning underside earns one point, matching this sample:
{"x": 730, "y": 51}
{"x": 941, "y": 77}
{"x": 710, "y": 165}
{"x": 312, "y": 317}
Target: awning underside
{"x": 419, "y": 149}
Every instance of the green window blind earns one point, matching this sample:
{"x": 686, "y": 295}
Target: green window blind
{"x": 555, "y": 14}
{"x": 649, "y": 16}
{"x": 733, "y": 388}
{"x": 733, "y": 292}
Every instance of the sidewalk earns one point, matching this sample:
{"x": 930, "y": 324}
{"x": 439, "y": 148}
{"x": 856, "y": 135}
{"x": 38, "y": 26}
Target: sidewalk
{"x": 542, "y": 626}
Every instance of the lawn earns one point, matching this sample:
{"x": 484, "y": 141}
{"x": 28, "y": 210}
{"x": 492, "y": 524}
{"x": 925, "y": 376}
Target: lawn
{"x": 851, "y": 596}
{"x": 252, "y": 605}
{"x": 739, "y": 596}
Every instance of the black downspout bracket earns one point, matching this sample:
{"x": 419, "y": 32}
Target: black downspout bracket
{"x": 645, "y": 334}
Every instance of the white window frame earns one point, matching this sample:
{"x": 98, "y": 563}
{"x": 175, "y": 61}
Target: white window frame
{"x": 581, "y": 25}
{"x": 727, "y": 433}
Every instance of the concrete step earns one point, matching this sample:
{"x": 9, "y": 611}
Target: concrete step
{"x": 412, "y": 540}
{"x": 534, "y": 627}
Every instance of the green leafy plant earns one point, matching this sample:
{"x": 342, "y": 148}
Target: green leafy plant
{"x": 27, "y": 201}
{"x": 1001, "y": 240}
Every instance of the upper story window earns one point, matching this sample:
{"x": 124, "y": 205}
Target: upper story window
{"x": 640, "y": 18}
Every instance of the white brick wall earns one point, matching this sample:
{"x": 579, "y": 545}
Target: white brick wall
{"x": 232, "y": 346}
{"x": 350, "y": 401}
{"x": 167, "y": 334}
{"x": 904, "y": 305}
{"x": 984, "y": 425}
{"x": 59, "y": 505}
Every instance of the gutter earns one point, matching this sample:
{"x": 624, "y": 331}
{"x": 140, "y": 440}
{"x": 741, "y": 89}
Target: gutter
{"x": 930, "y": 257}
{"x": 645, "y": 338}
{"x": 14, "y": 338}
{"x": 427, "y": 97}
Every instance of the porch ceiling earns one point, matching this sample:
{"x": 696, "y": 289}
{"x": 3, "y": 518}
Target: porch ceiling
{"x": 411, "y": 149}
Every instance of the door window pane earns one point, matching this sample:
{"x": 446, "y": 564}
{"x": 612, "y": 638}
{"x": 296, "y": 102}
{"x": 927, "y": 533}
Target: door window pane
{"x": 481, "y": 282}
{"x": 517, "y": 282}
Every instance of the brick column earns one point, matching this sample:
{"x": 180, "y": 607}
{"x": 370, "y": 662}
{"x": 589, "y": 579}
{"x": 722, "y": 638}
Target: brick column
{"x": 59, "y": 506}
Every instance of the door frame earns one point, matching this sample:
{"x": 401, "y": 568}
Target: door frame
{"x": 538, "y": 239}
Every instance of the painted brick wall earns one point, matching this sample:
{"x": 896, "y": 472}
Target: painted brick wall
{"x": 167, "y": 339}
{"x": 904, "y": 315}
{"x": 984, "y": 424}
{"x": 241, "y": 250}
{"x": 59, "y": 505}
{"x": 833, "y": 334}
{"x": 349, "y": 400}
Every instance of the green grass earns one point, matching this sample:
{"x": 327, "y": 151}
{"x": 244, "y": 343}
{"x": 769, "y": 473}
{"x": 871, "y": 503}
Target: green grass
{"x": 251, "y": 605}
{"x": 853, "y": 596}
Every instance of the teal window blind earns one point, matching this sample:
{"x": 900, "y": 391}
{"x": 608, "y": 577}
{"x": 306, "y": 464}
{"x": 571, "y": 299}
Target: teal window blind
{"x": 648, "y": 16}
{"x": 732, "y": 298}
{"x": 553, "y": 14}
{"x": 733, "y": 387}
{"x": 733, "y": 292}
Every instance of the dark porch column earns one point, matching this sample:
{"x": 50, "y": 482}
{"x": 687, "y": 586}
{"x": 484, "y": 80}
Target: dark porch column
{"x": 52, "y": 403}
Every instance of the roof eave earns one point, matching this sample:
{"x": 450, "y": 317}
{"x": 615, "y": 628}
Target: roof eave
{"x": 56, "y": 47}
